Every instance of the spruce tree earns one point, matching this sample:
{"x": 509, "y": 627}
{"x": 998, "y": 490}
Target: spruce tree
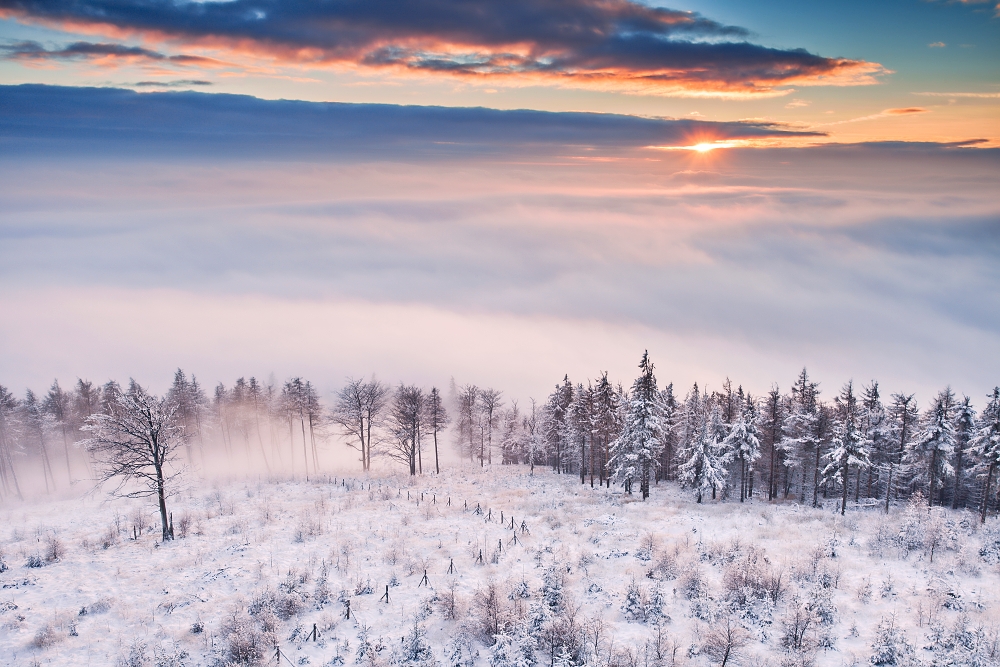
{"x": 744, "y": 441}
{"x": 986, "y": 444}
{"x": 935, "y": 443}
{"x": 848, "y": 444}
{"x": 635, "y": 453}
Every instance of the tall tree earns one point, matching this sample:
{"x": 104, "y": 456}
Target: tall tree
{"x": 490, "y": 403}
{"x": 555, "y": 422}
{"x": 986, "y": 443}
{"x": 965, "y": 429}
{"x": 37, "y": 425}
{"x": 902, "y": 423}
{"x": 406, "y": 413}
{"x": 57, "y": 405}
{"x": 8, "y": 419}
{"x": 707, "y": 455}
{"x": 744, "y": 441}
{"x": 436, "y": 420}
{"x": 772, "y": 427}
{"x": 359, "y": 411}
{"x": 635, "y": 453}
{"x": 135, "y": 441}
{"x": 802, "y": 428}
{"x": 935, "y": 443}
{"x": 848, "y": 443}
{"x": 607, "y": 422}
{"x": 874, "y": 432}
{"x": 578, "y": 427}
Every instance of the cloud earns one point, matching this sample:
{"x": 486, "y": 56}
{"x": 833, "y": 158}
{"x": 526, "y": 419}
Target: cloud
{"x": 110, "y": 53}
{"x": 605, "y": 44}
{"x": 796, "y": 104}
{"x": 124, "y": 121}
{"x": 937, "y": 45}
{"x": 886, "y": 113}
{"x": 972, "y": 95}
{"x": 178, "y": 83}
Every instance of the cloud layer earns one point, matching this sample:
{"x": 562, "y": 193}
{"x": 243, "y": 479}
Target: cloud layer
{"x": 610, "y": 44}
{"x": 36, "y": 119}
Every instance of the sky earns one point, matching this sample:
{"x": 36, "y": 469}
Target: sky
{"x": 501, "y": 192}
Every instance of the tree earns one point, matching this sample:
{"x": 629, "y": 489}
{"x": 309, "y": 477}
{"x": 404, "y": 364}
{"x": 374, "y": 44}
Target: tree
{"x": 359, "y": 410}
{"x": 848, "y": 444}
{"x": 772, "y": 427}
{"x": 36, "y": 424}
{"x": 136, "y": 441}
{"x": 744, "y": 441}
{"x": 57, "y": 404}
{"x": 805, "y": 427}
{"x": 635, "y": 453}
{"x": 902, "y": 420}
{"x": 489, "y": 404}
{"x": 8, "y": 416}
{"x": 936, "y": 441}
{"x": 606, "y": 422}
{"x": 579, "y": 427}
{"x": 965, "y": 428}
{"x": 706, "y": 456}
{"x": 554, "y": 425}
{"x": 436, "y": 420}
{"x": 405, "y": 421}
{"x": 986, "y": 443}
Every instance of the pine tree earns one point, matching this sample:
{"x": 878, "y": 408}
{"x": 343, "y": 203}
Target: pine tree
{"x": 436, "y": 420}
{"x": 986, "y": 444}
{"x": 874, "y": 432}
{"x": 902, "y": 423}
{"x": 670, "y": 418}
{"x": 965, "y": 428}
{"x": 706, "y": 458}
{"x": 803, "y": 435}
{"x": 848, "y": 444}
{"x": 578, "y": 428}
{"x": 635, "y": 453}
{"x": 607, "y": 422}
{"x": 8, "y": 441}
{"x": 935, "y": 443}
{"x": 773, "y": 421}
{"x": 744, "y": 441}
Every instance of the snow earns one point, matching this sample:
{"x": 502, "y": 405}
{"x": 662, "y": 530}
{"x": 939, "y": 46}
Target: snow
{"x": 590, "y": 562}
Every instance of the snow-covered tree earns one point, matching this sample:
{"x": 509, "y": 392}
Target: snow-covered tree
{"x": 848, "y": 443}
{"x": 803, "y": 431}
{"x": 8, "y": 442}
{"x": 707, "y": 456}
{"x": 874, "y": 433}
{"x": 359, "y": 410}
{"x": 554, "y": 427}
{"x": 635, "y": 452}
{"x": 744, "y": 441}
{"x": 607, "y": 421}
{"x": 965, "y": 428}
{"x": 579, "y": 428}
{"x": 436, "y": 418}
{"x": 986, "y": 444}
{"x": 903, "y": 417}
{"x": 930, "y": 451}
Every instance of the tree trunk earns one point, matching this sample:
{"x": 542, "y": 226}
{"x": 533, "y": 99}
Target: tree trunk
{"x": 437, "y": 464}
{"x": 958, "y": 479}
{"x": 932, "y": 473}
{"x": 986, "y": 491}
{"x": 162, "y": 500}
{"x": 845, "y": 476}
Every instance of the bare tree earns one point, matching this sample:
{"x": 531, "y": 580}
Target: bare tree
{"x": 359, "y": 410}
{"x": 406, "y": 421}
{"x": 135, "y": 440}
{"x": 489, "y": 402}
{"x": 724, "y": 639}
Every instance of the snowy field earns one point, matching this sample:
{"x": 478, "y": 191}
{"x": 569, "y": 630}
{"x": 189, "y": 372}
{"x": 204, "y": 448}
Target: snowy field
{"x": 584, "y": 576}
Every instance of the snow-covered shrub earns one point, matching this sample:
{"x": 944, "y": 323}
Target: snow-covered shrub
{"x": 134, "y": 656}
{"x": 34, "y": 561}
{"x": 552, "y": 589}
{"x": 911, "y": 526}
{"x": 248, "y": 638}
{"x": 415, "y": 650}
{"x": 890, "y": 646}
{"x": 46, "y": 636}
{"x": 369, "y": 651}
{"x": 751, "y": 578}
{"x": 634, "y": 604}
{"x": 460, "y": 651}
{"x": 963, "y": 645}
{"x": 990, "y": 549}
{"x": 691, "y": 583}
{"x": 820, "y": 602}
{"x": 54, "y": 549}
{"x": 515, "y": 649}
{"x": 798, "y": 626}
{"x": 665, "y": 568}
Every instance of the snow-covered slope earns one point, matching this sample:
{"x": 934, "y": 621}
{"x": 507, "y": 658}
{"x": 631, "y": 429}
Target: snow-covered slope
{"x": 568, "y": 575}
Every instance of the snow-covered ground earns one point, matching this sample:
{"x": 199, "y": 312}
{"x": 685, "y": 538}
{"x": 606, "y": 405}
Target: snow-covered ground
{"x": 592, "y": 576}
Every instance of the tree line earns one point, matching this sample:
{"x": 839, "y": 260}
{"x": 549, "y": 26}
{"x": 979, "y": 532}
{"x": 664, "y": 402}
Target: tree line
{"x": 724, "y": 444}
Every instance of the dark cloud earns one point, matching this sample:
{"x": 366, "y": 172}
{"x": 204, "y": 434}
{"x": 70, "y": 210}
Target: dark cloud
{"x": 604, "y": 43}
{"x": 31, "y": 50}
{"x": 36, "y": 118}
